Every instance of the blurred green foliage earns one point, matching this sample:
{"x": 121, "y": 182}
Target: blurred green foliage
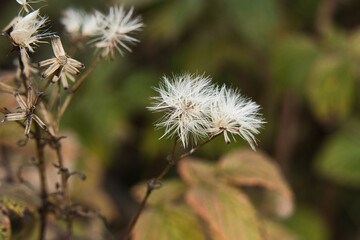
{"x": 306, "y": 223}
{"x": 268, "y": 49}
{"x": 340, "y": 156}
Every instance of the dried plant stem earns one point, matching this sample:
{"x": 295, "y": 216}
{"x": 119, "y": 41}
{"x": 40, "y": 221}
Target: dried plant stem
{"x": 75, "y": 45}
{"x": 155, "y": 183}
{"x": 65, "y": 190}
{"x": 40, "y": 159}
{"x": 43, "y": 186}
{"x": 84, "y": 76}
{"x": 6, "y": 88}
{"x": 21, "y": 66}
{"x": 58, "y": 106}
{"x": 47, "y": 84}
{"x": 78, "y": 84}
{"x": 5, "y": 162}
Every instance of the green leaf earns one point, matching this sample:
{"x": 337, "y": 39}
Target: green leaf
{"x": 227, "y": 211}
{"x": 168, "y": 222}
{"x": 339, "y": 157}
{"x": 170, "y": 190}
{"x": 353, "y": 45}
{"x": 291, "y": 62}
{"x": 211, "y": 53}
{"x": 307, "y": 224}
{"x": 255, "y": 20}
{"x": 331, "y": 86}
{"x": 170, "y": 20}
{"x": 249, "y": 168}
{"x": 135, "y": 91}
{"x": 139, "y": 3}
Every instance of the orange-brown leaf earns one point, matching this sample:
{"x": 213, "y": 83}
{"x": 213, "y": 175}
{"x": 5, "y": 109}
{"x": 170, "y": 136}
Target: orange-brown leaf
{"x": 249, "y": 168}
{"x": 194, "y": 171}
{"x": 226, "y": 210}
{"x": 169, "y": 191}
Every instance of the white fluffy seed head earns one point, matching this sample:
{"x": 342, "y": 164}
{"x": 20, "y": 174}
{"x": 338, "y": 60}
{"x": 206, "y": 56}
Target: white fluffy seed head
{"x": 233, "y": 114}
{"x": 79, "y": 23}
{"x": 25, "y": 32}
{"x": 194, "y": 108}
{"x": 72, "y": 20}
{"x": 114, "y": 29}
{"x": 185, "y": 101}
{"x": 90, "y": 26}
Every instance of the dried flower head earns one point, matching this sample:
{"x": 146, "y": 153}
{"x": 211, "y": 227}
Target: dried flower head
{"x": 27, "y": 111}
{"x": 114, "y": 29}
{"x": 10, "y": 26}
{"x": 61, "y": 66}
{"x": 231, "y": 113}
{"x": 25, "y": 5}
{"x": 24, "y": 31}
{"x": 185, "y": 101}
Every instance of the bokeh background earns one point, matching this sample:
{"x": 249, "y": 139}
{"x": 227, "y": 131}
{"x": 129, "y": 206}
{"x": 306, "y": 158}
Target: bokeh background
{"x": 298, "y": 59}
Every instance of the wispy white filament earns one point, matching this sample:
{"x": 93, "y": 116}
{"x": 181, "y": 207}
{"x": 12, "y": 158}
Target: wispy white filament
{"x": 73, "y": 20}
{"x": 194, "y": 108}
{"x": 185, "y": 101}
{"x": 78, "y": 23}
{"x": 114, "y": 29}
{"x": 25, "y": 31}
{"x": 231, "y": 113}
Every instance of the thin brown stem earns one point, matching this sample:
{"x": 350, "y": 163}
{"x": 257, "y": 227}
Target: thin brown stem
{"x": 58, "y": 107}
{"x": 22, "y": 67}
{"x": 6, "y": 163}
{"x": 65, "y": 189}
{"x": 155, "y": 183}
{"x": 53, "y": 98}
{"x": 6, "y": 88}
{"x": 43, "y": 186}
{"x": 75, "y": 44}
{"x": 172, "y": 155}
{"x": 86, "y": 74}
{"x": 78, "y": 84}
{"x": 47, "y": 84}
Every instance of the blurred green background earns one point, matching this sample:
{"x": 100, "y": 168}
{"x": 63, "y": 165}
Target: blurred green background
{"x": 298, "y": 59}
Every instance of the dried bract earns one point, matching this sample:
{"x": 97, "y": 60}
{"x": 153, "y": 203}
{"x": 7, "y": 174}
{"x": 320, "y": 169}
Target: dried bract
{"x": 25, "y": 5}
{"x": 27, "y": 111}
{"x": 61, "y": 66}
